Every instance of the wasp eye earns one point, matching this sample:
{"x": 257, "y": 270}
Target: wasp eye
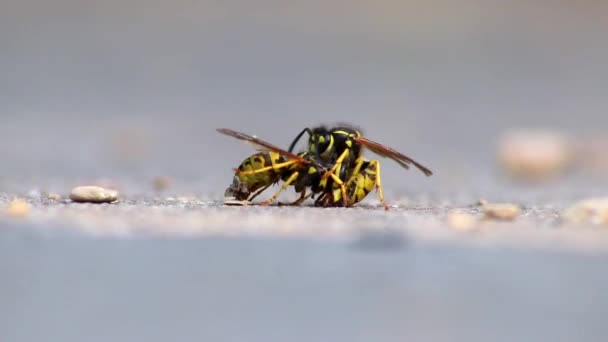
{"x": 324, "y": 143}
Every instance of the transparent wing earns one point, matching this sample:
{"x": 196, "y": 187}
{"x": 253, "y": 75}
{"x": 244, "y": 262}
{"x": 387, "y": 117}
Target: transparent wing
{"x": 388, "y": 152}
{"x": 261, "y": 144}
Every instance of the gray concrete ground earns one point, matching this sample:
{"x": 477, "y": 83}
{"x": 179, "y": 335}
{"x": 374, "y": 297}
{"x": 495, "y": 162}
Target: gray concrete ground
{"x": 66, "y": 287}
{"x": 157, "y": 269}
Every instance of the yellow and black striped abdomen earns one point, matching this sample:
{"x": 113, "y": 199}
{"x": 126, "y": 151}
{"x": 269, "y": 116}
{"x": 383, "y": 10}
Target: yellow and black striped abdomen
{"x": 360, "y": 182}
{"x": 257, "y": 162}
{"x": 363, "y": 182}
{"x": 255, "y": 173}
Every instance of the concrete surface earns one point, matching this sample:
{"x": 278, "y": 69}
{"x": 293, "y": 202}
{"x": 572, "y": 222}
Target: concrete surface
{"x": 66, "y": 287}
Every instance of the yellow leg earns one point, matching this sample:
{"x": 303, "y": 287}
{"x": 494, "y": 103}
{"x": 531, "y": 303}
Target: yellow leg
{"x": 285, "y": 185}
{"x": 337, "y": 180}
{"x": 379, "y": 185}
{"x": 336, "y": 166}
{"x": 358, "y": 164}
{"x": 267, "y": 168}
{"x": 257, "y": 192}
{"x": 332, "y": 173}
{"x": 303, "y": 197}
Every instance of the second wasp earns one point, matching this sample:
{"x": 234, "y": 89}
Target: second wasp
{"x": 341, "y": 146}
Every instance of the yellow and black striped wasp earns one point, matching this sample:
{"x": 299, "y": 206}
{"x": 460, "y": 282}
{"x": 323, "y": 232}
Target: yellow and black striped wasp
{"x": 342, "y": 147}
{"x": 272, "y": 164}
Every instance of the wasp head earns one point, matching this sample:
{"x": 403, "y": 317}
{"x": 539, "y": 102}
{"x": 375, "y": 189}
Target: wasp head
{"x": 320, "y": 142}
{"x": 238, "y": 190}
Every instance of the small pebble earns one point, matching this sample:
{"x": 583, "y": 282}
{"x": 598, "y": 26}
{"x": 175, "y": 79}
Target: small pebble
{"x": 501, "y": 211}
{"x": 53, "y": 197}
{"x": 34, "y": 193}
{"x": 161, "y": 183}
{"x": 461, "y": 220}
{"x": 93, "y": 194}
{"x": 18, "y": 208}
{"x": 534, "y": 155}
{"x": 187, "y": 199}
{"x": 593, "y": 210}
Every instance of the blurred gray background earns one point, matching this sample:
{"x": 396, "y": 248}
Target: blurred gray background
{"x": 128, "y": 90}
{"x": 136, "y": 88}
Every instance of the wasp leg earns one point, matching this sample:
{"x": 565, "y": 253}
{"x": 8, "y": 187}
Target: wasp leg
{"x": 345, "y": 197}
{"x": 356, "y": 173}
{"x": 329, "y": 198}
{"x": 285, "y": 185}
{"x": 303, "y": 197}
{"x": 339, "y": 182}
{"x": 320, "y": 199}
{"x": 349, "y": 192}
{"x": 379, "y": 183}
{"x": 332, "y": 173}
{"x": 267, "y": 168}
{"x": 324, "y": 201}
{"x": 336, "y": 166}
{"x": 257, "y": 192}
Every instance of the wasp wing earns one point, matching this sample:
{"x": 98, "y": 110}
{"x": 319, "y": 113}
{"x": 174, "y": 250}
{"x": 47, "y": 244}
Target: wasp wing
{"x": 261, "y": 144}
{"x": 388, "y": 152}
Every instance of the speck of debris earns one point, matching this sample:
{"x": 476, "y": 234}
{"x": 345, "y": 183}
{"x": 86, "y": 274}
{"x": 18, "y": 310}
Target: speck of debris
{"x": 18, "y": 208}
{"x": 161, "y": 183}
{"x": 461, "y": 220}
{"x": 501, "y": 211}
{"x": 593, "y": 211}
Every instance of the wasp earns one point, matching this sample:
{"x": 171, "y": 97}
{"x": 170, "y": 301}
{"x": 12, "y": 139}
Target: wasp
{"x": 342, "y": 147}
{"x": 261, "y": 170}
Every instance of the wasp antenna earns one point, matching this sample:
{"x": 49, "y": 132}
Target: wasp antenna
{"x": 295, "y": 141}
